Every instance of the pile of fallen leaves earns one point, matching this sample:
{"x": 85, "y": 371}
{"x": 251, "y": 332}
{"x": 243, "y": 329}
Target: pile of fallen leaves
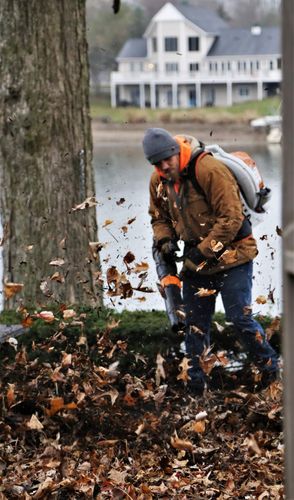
{"x": 73, "y": 428}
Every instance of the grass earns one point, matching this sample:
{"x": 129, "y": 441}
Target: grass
{"x": 243, "y": 112}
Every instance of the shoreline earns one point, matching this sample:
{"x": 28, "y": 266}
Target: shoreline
{"x": 220, "y": 133}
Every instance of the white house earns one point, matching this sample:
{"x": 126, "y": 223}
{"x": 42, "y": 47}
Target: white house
{"x": 190, "y": 57}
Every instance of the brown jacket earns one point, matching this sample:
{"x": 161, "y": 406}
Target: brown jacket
{"x": 210, "y": 217}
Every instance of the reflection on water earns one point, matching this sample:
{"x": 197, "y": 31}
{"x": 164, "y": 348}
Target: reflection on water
{"x": 122, "y": 172}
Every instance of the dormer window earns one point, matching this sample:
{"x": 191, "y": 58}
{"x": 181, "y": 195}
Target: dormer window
{"x": 171, "y": 44}
{"x": 193, "y": 43}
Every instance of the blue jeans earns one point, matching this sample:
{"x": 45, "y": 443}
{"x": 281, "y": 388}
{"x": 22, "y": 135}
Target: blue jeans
{"x": 235, "y": 287}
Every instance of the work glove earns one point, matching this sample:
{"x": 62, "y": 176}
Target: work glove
{"x": 168, "y": 249}
{"x": 193, "y": 259}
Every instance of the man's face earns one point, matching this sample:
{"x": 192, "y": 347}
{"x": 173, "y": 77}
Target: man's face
{"x": 170, "y": 167}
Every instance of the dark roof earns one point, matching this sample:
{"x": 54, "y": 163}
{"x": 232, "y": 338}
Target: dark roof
{"x": 207, "y": 20}
{"x": 239, "y": 41}
{"x": 134, "y": 47}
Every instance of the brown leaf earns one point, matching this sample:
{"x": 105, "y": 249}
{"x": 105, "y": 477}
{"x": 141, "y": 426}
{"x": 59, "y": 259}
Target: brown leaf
{"x": 107, "y": 222}
{"x": 124, "y": 229}
{"x": 142, "y": 266}
{"x": 258, "y": 337}
{"x": 69, "y": 313}
{"x": 130, "y": 221}
{"x": 199, "y": 426}
{"x": 261, "y": 299}
{"x": 229, "y": 257}
{"x": 216, "y": 246}
{"x": 10, "y": 289}
{"x": 204, "y": 292}
{"x": 279, "y": 231}
{"x": 120, "y": 201}
{"x": 47, "y": 316}
{"x": 57, "y": 404}
{"x": 57, "y": 262}
{"x": 180, "y": 444}
{"x": 128, "y": 258}
{"x": 160, "y": 372}
{"x": 34, "y": 424}
{"x": 184, "y": 366}
{"x": 57, "y": 277}
{"x": 10, "y": 395}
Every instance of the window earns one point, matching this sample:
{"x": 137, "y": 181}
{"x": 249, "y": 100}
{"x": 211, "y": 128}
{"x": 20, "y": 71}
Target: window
{"x": 279, "y": 62}
{"x": 257, "y": 64}
{"x": 171, "y": 44}
{"x": 171, "y": 67}
{"x": 244, "y": 91}
{"x": 271, "y": 65}
{"x": 154, "y": 44}
{"x": 193, "y": 67}
{"x": 210, "y": 66}
{"x": 193, "y": 43}
{"x": 229, "y": 66}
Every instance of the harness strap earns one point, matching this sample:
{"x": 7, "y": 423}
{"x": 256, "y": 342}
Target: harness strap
{"x": 246, "y": 228}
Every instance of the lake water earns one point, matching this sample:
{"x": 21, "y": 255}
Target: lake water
{"x": 122, "y": 172}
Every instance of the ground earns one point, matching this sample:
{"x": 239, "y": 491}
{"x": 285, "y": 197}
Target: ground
{"x": 77, "y": 422}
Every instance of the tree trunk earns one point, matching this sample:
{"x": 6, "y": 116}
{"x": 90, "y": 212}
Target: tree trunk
{"x": 46, "y": 151}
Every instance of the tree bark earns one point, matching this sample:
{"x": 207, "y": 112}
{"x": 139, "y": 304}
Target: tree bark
{"x": 46, "y": 151}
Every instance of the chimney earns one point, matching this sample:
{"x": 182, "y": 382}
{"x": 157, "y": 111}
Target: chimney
{"x": 256, "y": 30}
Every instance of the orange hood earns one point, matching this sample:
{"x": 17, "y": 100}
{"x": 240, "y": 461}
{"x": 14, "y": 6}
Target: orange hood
{"x": 184, "y": 156}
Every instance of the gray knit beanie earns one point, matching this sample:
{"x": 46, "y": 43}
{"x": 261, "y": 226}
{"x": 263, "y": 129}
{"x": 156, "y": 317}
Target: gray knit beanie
{"x": 158, "y": 145}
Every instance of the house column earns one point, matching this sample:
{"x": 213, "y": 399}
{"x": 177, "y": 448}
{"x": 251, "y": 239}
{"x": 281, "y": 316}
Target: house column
{"x": 152, "y": 96}
{"x": 259, "y": 91}
{"x": 175, "y": 95}
{"x": 198, "y": 95}
{"x": 142, "y": 95}
{"x": 229, "y": 94}
{"x": 113, "y": 95}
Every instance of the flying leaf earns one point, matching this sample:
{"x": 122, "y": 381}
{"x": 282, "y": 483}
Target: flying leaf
{"x": 124, "y": 229}
{"x": 142, "y": 266}
{"x": 45, "y": 289}
{"x": 279, "y": 231}
{"x": 47, "y": 316}
{"x": 184, "y": 366}
{"x": 261, "y": 299}
{"x": 216, "y": 246}
{"x": 120, "y": 201}
{"x": 57, "y": 262}
{"x": 107, "y": 222}
{"x": 88, "y": 203}
{"x": 10, "y": 289}
{"x": 57, "y": 277}
{"x": 128, "y": 258}
{"x": 204, "y": 292}
{"x": 130, "y": 221}
{"x": 160, "y": 373}
{"x": 258, "y": 337}
{"x": 69, "y": 313}
{"x": 229, "y": 257}
{"x": 13, "y": 342}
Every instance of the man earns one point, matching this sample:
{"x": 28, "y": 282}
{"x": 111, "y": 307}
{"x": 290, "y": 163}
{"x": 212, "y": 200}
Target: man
{"x": 195, "y": 198}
